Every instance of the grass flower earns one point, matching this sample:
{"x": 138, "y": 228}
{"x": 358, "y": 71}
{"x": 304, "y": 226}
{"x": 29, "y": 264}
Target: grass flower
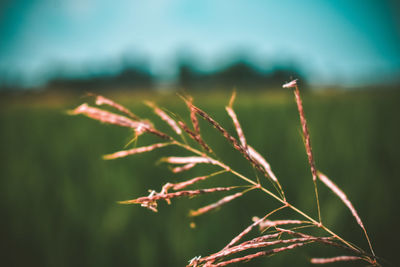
{"x": 273, "y": 235}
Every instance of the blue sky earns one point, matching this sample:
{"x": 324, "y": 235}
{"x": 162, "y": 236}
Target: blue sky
{"x": 338, "y": 41}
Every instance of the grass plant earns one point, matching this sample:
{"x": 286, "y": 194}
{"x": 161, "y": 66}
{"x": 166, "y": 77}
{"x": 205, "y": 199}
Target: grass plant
{"x": 274, "y": 235}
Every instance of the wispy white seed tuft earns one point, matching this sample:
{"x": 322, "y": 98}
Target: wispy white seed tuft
{"x": 290, "y": 84}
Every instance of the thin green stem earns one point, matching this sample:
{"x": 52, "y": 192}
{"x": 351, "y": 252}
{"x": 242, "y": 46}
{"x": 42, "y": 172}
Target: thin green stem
{"x": 317, "y": 198}
{"x": 369, "y": 242}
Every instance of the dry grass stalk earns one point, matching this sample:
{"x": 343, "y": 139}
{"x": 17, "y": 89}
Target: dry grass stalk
{"x": 251, "y": 226}
{"x": 331, "y": 185}
{"x": 183, "y": 168}
{"x": 334, "y": 259}
{"x": 184, "y": 184}
{"x": 190, "y": 162}
{"x": 194, "y": 120}
{"x": 138, "y": 150}
{"x": 110, "y": 118}
{"x": 335, "y": 189}
{"x": 240, "y": 259}
{"x": 196, "y": 126}
{"x": 192, "y": 181}
{"x": 262, "y": 161}
{"x": 263, "y": 238}
{"x": 306, "y": 133}
{"x": 213, "y": 206}
{"x": 151, "y": 200}
{"x": 165, "y": 117}
{"x": 258, "y": 161}
{"x": 195, "y": 136}
{"x": 232, "y": 114}
{"x": 329, "y": 240}
{"x": 217, "y": 126}
{"x": 268, "y": 224}
{"x": 307, "y": 139}
{"x": 140, "y": 127}
{"x": 239, "y": 130}
{"x": 240, "y": 248}
{"x": 272, "y": 234}
{"x": 257, "y": 255}
{"x": 230, "y": 138}
{"x": 185, "y": 160}
{"x": 101, "y": 100}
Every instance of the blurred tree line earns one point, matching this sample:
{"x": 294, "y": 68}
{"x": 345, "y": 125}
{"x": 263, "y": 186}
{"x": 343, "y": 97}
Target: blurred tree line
{"x": 132, "y": 77}
{"x": 241, "y": 74}
{"x": 136, "y": 75}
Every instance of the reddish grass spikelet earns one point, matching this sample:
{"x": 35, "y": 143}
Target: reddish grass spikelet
{"x": 104, "y": 116}
{"x": 251, "y": 226}
{"x": 213, "y": 206}
{"x": 138, "y": 150}
{"x": 324, "y": 240}
{"x": 165, "y": 117}
{"x": 334, "y": 259}
{"x": 217, "y": 126}
{"x": 151, "y": 200}
{"x": 109, "y": 117}
{"x": 240, "y": 259}
{"x": 264, "y": 238}
{"x": 187, "y": 160}
{"x": 196, "y": 126}
{"x": 254, "y": 245}
{"x": 250, "y": 153}
{"x": 194, "y": 260}
{"x": 184, "y": 184}
{"x": 307, "y": 140}
{"x": 243, "y": 233}
{"x": 335, "y": 189}
{"x": 263, "y": 162}
{"x": 267, "y": 223}
{"x": 257, "y": 255}
{"x": 183, "y": 168}
{"x": 101, "y": 100}
{"x": 230, "y": 138}
{"x": 188, "y": 193}
{"x": 192, "y": 181}
{"x": 232, "y": 99}
{"x": 195, "y": 136}
{"x": 232, "y": 114}
{"x": 306, "y": 133}
{"x": 194, "y": 120}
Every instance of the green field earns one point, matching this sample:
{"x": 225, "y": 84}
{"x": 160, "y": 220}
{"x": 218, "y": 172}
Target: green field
{"x": 58, "y": 197}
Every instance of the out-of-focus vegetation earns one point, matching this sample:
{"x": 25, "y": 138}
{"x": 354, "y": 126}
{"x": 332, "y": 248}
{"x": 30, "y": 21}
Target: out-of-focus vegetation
{"x": 134, "y": 74}
{"x": 58, "y": 197}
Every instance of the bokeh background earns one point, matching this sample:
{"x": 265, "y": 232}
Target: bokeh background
{"x": 58, "y": 197}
